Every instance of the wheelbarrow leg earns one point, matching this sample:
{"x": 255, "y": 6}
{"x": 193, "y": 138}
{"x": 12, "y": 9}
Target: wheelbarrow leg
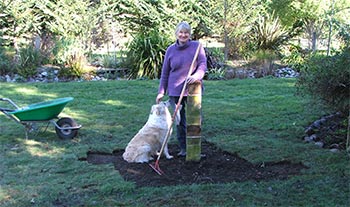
{"x": 27, "y": 128}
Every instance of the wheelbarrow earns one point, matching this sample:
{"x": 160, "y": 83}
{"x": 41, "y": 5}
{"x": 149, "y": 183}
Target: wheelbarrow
{"x": 43, "y": 112}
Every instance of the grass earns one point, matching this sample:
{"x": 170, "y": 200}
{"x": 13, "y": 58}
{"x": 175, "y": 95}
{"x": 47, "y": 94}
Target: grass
{"x": 260, "y": 119}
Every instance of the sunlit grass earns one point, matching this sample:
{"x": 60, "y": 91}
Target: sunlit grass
{"x": 260, "y": 119}
{"x": 39, "y": 149}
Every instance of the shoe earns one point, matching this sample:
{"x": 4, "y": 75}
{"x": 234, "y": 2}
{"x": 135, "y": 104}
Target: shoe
{"x": 182, "y": 153}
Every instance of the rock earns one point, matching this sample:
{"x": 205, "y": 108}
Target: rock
{"x": 334, "y": 146}
{"x": 319, "y": 144}
{"x": 307, "y": 139}
{"x": 334, "y": 150}
{"x": 229, "y": 74}
{"x": 309, "y": 131}
{"x": 240, "y": 73}
{"x": 314, "y": 137}
{"x": 286, "y": 73}
{"x": 8, "y": 78}
{"x": 317, "y": 124}
{"x": 44, "y": 74}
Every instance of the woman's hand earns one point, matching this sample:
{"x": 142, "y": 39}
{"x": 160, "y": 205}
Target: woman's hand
{"x": 159, "y": 98}
{"x": 191, "y": 79}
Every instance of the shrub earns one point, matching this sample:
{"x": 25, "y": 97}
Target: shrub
{"x": 216, "y": 74}
{"x": 110, "y": 60}
{"x": 145, "y": 54}
{"x": 70, "y": 56}
{"x": 327, "y": 78}
{"x": 74, "y": 66}
{"x": 264, "y": 60}
{"x": 29, "y": 60}
{"x": 295, "y": 57}
{"x": 268, "y": 33}
{"x": 215, "y": 57}
{"x": 5, "y": 63}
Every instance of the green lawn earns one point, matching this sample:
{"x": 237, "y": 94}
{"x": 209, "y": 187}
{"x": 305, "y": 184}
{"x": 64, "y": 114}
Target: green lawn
{"x": 260, "y": 119}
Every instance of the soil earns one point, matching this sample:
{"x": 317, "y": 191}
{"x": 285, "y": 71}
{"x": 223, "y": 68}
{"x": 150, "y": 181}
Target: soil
{"x": 215, "y": 166}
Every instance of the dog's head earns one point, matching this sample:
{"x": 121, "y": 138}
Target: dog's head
{"x": 160, "y": 109}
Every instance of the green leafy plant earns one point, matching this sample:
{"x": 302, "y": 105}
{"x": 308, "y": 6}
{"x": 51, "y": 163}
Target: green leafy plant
{"x": 74, "y": 67}
{"x": 215, "y": 57}
{"x": 295, "y": 58}
{"x": 70, "y": 56}
{"x": 263, "y": 60}
{"x": 110, "y": 61}
{"x": 327, "y": 78}
{"x": 29, "y": 59}
{"x": 145, "y": 54}
{"x": 5, "y": 63}
{"x": 268, "y": 33}
{"x": 216, "y": 74}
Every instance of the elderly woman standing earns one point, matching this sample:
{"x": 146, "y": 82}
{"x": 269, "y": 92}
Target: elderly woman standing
{"x": 177, "y": 62}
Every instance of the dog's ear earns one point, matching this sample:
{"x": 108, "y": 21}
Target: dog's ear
{"x": 156, "y": 109}
{"x": 167, "y": 103}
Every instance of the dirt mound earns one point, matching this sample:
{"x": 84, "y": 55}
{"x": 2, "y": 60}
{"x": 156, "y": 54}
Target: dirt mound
{"x": 216, "y": 166}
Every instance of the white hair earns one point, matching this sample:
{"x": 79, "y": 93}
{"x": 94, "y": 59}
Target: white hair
{"x": 183, "y": 26}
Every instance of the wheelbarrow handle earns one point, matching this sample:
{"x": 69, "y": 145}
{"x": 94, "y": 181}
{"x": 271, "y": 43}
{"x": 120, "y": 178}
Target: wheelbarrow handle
{"x": 10, "y": 101}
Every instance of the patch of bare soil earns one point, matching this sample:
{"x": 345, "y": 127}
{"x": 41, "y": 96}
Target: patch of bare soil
{"x": 217, "y": 166}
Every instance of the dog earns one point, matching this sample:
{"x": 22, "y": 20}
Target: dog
{"x": 149, "y": 139}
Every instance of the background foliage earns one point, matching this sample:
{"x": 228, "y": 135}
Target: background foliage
{"x": 327, "y": 78}
{"x": 93, "y": 23}
{"x": 68, "y": 33}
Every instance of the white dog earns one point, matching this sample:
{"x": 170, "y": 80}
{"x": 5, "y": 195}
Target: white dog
{"x": 148, "y": 141}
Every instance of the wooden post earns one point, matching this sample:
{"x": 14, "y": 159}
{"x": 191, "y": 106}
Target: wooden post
{"x": 193, "y": 119}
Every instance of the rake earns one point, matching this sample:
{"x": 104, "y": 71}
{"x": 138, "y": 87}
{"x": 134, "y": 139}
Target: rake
{"x": 156, "y": 167}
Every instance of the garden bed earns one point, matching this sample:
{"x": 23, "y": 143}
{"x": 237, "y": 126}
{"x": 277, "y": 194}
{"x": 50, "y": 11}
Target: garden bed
{"x": 217, "y": 166}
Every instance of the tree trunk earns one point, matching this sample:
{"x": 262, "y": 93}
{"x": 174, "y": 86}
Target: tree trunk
{"x": 314, "y": 39}
{"x": 225, "y": 32}
{"x": 330, "y": 30}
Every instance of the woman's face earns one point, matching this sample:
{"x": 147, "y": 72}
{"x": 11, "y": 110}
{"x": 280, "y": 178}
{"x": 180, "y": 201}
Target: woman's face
{"x": 182, "y": 36}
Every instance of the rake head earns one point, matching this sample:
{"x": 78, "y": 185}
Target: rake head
{"x": 156, "y": 168}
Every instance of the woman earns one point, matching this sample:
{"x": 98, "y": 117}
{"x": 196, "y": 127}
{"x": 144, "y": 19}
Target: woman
{"x": 177, "y": 62}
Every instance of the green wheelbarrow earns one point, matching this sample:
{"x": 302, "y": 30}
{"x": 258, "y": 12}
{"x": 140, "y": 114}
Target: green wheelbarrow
{"x": 48, "y": 111}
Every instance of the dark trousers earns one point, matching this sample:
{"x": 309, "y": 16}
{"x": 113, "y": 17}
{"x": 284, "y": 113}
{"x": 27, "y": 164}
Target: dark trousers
{"x": 181, "y": 128}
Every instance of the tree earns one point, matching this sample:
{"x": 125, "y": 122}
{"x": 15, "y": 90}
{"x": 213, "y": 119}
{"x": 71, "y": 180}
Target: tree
{"x": 316, "y": 16}
{"x": 18, "y": 20}
{"x": 237, "y": 24}
{"x": 151, "y": 25}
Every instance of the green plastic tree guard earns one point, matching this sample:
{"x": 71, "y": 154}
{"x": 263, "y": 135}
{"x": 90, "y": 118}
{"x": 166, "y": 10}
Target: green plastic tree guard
{"x": 193, "y": 118}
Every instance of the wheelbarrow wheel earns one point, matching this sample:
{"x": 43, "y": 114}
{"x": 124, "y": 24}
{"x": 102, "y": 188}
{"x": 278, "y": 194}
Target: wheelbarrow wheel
{"x": 66, "y": 133}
